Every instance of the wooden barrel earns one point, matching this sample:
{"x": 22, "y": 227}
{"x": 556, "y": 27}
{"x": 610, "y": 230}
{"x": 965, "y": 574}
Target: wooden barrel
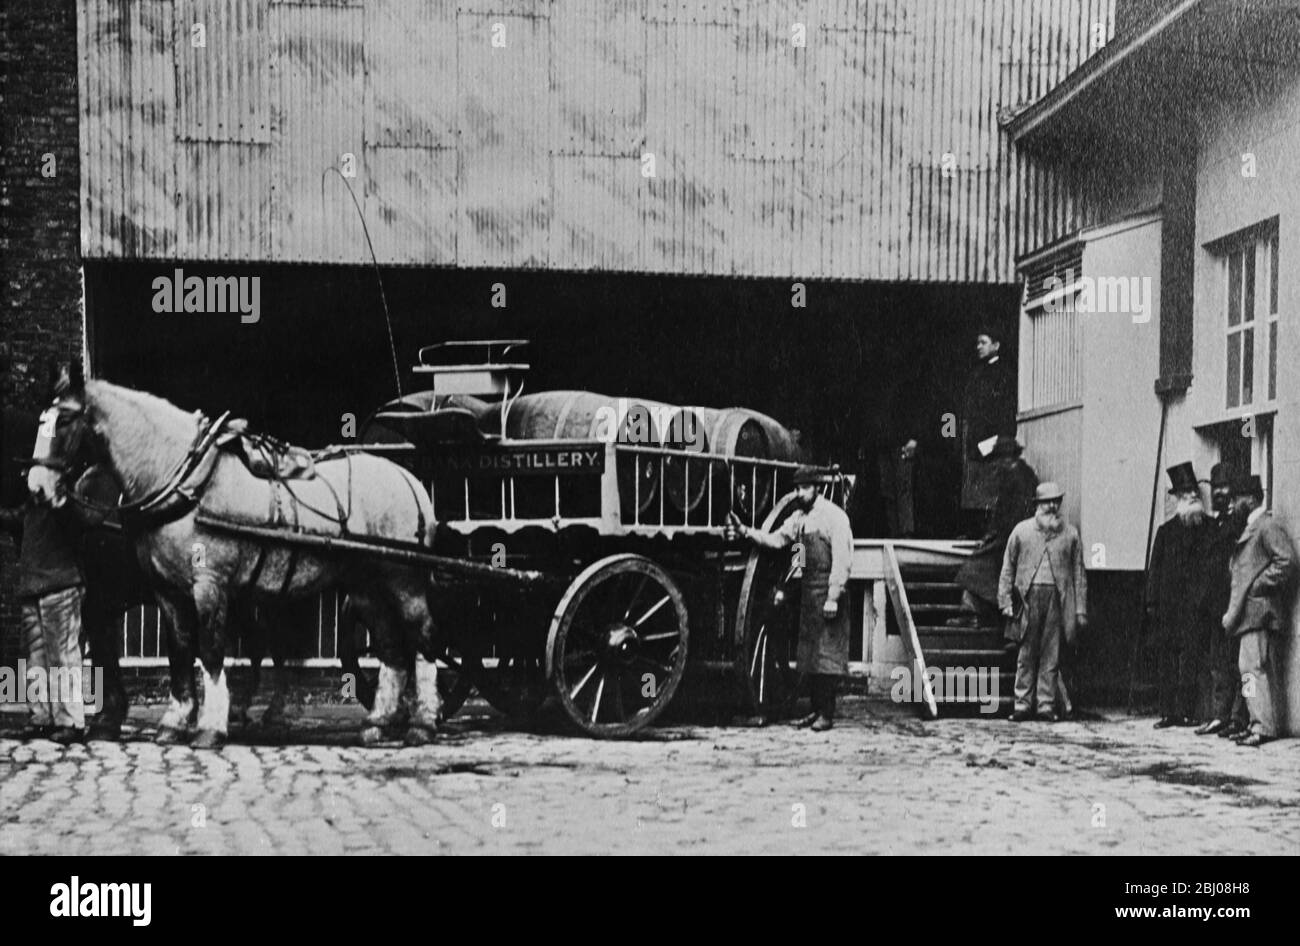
{"x": 739, "y": 433}
{"x": 686, "y": 480}
{"x": 566, "y": 415}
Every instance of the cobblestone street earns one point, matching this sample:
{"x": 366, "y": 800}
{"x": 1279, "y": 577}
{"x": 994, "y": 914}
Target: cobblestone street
{"x": 882, "y": 782}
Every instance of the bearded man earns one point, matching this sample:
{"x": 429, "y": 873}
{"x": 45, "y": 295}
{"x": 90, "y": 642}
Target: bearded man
{"x": 1177, "y": 585}
{"x": 1043, "y": 569}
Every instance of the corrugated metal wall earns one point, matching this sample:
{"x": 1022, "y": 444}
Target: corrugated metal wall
{"x": 872, "y": 153}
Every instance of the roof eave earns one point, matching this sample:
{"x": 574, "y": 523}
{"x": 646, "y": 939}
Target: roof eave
{"x": 1042, "y": 112}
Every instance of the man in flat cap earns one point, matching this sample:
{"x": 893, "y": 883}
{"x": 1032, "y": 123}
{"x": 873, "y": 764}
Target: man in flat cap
{"x": 988, "y": 410}
{"x": 1263, "y": 569}
{"x": 822, "y": 530}
{"x": 1176, "y": 588}
{"x": 1043, "y": 589}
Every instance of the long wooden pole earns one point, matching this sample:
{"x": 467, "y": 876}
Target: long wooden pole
{"x": 391, "y": 550}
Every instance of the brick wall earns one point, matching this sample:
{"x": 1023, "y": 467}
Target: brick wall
{"x": 40, "y": 283}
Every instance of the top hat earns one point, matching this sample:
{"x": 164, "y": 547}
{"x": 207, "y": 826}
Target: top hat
{"x": 1048, "y": 491}
{"x": 1248, "y": 486}
{"x": 1182, "y": 478}
{"x": 808, "y": 475}
{"x": 1220, "y": 475}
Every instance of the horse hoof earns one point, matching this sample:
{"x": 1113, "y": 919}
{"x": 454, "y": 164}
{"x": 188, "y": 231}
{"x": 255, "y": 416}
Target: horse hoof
{"x": 418, "y": 736}
{"x": 208, "y": 739}
{"x": 169, "y": 736}
{"x": 371, "y": 736}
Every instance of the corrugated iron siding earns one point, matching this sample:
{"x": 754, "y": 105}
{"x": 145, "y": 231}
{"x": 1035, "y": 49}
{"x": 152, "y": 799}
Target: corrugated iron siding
{"x": 873, "y": 153}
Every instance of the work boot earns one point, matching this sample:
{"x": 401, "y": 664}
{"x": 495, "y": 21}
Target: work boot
{"x": 1164, "y": 722}
{"x": 1253, "y": 741}
{"x": 1231, "y": 730}
{"x": 69, "y": 736}
{"x": 36, "y": 731}
{"x": 1210, "y": 728}
{"x": 822, "y": 724}
{"x": 1021, "y": 716}
{"x": 804, "y": 722}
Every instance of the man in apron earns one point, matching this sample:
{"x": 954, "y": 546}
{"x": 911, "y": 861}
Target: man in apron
{"x": 819, "y": 534}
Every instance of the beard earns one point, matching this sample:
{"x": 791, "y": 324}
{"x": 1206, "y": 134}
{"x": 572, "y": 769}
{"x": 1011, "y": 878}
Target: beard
{"x": 1190, "y": 511}
{"x": 1049, "y": 521}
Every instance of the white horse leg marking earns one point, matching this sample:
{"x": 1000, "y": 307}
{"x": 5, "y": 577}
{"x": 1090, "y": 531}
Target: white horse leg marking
{"x": 388, "y": 695}
{"x": 427, "y": 702}
{"x": 214, "y": 714}
{"x": 177, "y": 715}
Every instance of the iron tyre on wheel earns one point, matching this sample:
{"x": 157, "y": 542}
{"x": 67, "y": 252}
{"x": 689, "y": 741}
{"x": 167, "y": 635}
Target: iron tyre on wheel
{"x": 767, "y": 627}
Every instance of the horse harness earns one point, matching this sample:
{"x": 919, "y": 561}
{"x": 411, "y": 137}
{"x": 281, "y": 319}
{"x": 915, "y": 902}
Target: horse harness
{"x": 265, "y": 457}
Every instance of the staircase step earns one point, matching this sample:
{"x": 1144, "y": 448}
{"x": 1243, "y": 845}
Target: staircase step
{"x": 964, "y": 656}
{"x": 944, "y": 606}
{"x": 931, "y": 585}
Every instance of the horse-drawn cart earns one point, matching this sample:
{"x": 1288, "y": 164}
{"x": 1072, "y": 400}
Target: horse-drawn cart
{"x": 597, "y": 523}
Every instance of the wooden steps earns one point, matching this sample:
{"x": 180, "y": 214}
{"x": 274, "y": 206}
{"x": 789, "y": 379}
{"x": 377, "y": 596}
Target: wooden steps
{"x": 972, "y": 660}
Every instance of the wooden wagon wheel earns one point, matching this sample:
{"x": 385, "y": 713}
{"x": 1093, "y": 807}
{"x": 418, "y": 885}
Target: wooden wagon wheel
{"x": 767, "y": 626}
{"x": 455, "y": 674}
{"x": 617, "y": 647}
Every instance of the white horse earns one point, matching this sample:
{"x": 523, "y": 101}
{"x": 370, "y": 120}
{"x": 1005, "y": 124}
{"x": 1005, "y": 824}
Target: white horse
{"x": 170, "y": 470}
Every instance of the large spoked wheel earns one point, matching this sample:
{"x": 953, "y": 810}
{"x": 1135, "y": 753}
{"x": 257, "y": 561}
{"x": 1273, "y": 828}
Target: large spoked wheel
{"x": 767, "y": 627}
{"x": 455, "y": 674}
{"x": 617, "y": 646}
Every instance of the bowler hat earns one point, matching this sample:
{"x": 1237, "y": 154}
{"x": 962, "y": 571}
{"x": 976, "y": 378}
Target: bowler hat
{"x": 1220, "y": 475}
{"x": 808, "y": 475}
{"x": 1048, "y": 491}
{"x": 1182, "y": 478}
{"x": 1248, "y": 486}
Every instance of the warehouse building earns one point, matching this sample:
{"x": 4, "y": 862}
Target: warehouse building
{"x": 807, "y": 209}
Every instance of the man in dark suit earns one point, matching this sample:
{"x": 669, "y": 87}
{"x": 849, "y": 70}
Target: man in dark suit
{"x": 988, "y": 410}
{"x": 1226, "y": 715}
{"x": 1263, "y": 568}
{"x": 1175, "y": 591}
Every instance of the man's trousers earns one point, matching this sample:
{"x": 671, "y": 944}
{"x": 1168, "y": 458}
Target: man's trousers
{"x": 52, "y": 628}
{"x": 822, "y": 687}
{"x": 1177, "y": 667}
{"x": 1255, "y": 661}
{"x": 1038, "y": 664}
{"x": 1225, "y": 677}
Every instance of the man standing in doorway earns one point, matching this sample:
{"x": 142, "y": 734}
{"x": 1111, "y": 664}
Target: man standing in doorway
{"x": 988, "y": 411}
{"x": 1226, "y": 715}
{"x": 820, "y": 530}
{"x": 1044, "y": 590}
{"x": 1263, "y": 567}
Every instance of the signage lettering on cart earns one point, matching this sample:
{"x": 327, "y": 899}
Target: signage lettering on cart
{"x": 548, "y": 461}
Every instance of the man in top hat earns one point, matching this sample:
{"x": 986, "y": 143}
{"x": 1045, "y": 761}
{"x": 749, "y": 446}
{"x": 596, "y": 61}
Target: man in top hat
{"x": 825, "y": 540}
{"x": 978, "y": 577}
{"x": 1175, "y": 592}
{"x": 1044, "y": 590}
{"x": 1263, "y": 568}
{"x": 988, "y": 410}
{"x": 1226, "y": 715}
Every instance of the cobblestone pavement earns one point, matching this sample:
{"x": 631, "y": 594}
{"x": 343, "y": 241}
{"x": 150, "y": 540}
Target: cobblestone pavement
{"x": 882, "y": 781}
